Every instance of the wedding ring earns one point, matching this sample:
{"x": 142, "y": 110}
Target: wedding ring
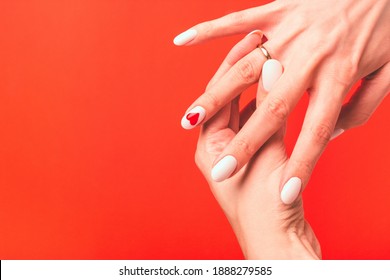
{"x": 265, "y": 52}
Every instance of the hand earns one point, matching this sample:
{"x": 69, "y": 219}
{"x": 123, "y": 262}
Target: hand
{"x": 325, "y": 48}
{"x": 265, "y": 227}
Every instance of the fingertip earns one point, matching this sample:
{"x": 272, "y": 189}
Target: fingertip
{"x": 185, "y": 37}
{"x": 271, "y": 72}
{"x": 193, "y": 117}
{"x": 255, "y": 32}
{"x": 224, "y": 168}
{"x": 291, "y": 190}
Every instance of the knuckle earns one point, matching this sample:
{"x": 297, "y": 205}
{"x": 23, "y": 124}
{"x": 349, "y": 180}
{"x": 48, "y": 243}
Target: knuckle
{"x": 243, "y": 147}
{"x": 321, "y": 47}
{"x": 201, "y": 162}
{"x": 198, "y": 160}
{"x": 207, "y": 27}
{"x": 245, "y": 71}
{"x": 212, "y": 100}
{"x": 258, "y": 102}
{"x": 304, "y": 167}
{"x": 359, "y": 118}
{"x": 321, "y": 133}
{"x": 237, "y": 18}
{"x": 278, "y": 109}
{"x": 348, "y": 69}
{"x": 300, "y": 21}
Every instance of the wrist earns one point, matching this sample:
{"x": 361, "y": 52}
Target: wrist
{"x": 289, "y": 246}
{"x": 295, "y": 242}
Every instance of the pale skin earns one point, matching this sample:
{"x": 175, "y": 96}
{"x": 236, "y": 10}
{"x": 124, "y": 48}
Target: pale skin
{"x": 265, "y": 227}
{"x": 325, "y": 48}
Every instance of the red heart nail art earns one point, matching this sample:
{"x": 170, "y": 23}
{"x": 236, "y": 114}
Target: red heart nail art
{"x": 193, "y": 118}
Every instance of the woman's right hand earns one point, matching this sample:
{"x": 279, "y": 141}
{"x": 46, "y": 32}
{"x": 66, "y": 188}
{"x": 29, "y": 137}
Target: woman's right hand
{"x": 325, "y": 47}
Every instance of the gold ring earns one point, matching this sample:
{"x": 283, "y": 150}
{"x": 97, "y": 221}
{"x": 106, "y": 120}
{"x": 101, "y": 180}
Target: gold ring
{"x": 265, "y": 52}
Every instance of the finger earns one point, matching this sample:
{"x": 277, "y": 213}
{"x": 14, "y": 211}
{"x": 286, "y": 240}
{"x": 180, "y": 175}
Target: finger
{"x": 218, "y": 122}
{"x": 231, "y": 117}
{"x": 196, "y": 115}
{"x": 277, "y": 139}
{"x": 212, "y": 140}
{"x": 269, "y": 76}
{"x": 239, "y": 77}
{"x": 241, "y": 49}
{"x": 235, "y": 23}
{"x": 268, "y": 118}
{"x": 248, "y": 111}
{"x": 321, "y": 116}
{"x": 364, "y": 101}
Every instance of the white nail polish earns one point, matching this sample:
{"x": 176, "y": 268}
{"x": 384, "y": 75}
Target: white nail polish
{"x": 193, "y": 117}
{"x": 337, "y": 132}
{"x": 254, "y": 32}
{"x": 272, "y": 70}
{"x": 185, "y": 37}
{"x": 224, "y": 168}
{"x": 291, "y": 190}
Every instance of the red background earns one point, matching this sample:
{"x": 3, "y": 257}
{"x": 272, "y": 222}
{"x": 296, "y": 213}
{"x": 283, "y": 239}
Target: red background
{"x": 94, "y": 163}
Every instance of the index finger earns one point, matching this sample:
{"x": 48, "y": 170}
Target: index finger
{"x": 235, "y": 23}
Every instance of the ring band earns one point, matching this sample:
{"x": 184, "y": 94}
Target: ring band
{"x": 265, "y": 52}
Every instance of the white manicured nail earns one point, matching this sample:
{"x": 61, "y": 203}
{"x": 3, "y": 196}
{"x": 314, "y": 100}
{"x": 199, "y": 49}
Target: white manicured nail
{"x": 272, "y": 70}
{"x": 224, "y": 168}
{"x": 193, "y": 117}
{"x": 337, "y": 132}
{"x": 254, "y": 32}
{"x": 185, "y": 37}
{"x": 291, "y": 190}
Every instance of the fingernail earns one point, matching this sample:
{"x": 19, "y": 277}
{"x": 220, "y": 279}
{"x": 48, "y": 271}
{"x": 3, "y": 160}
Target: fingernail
{"x": 272, "y": 70}
{"x": 193, "y": 117}
{"x": 255, "y": 32}
{"x": 224, "y": 168}
{"x": 185, "y": 37}
{"x": 291, "y": 190}
{"x": 337, "y": 132}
